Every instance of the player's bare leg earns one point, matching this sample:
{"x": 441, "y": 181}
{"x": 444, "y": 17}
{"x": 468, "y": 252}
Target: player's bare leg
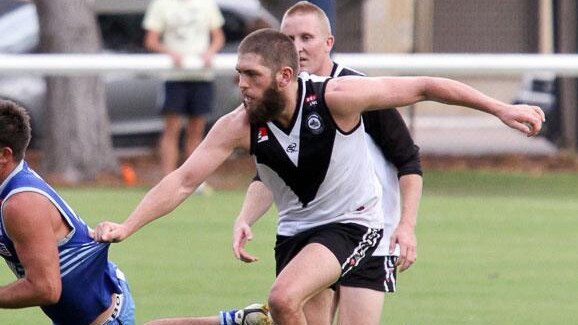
{"x": 319, "y": 309}
{"x": 310, "y": 272}
{"x": 186, "y": 321}
{"x": 254, "y": 314}
{"x": 359, "y": 306}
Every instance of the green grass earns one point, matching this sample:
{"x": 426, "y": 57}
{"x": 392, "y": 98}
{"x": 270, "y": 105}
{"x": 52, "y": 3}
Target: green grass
{"x": 494, "y": 248}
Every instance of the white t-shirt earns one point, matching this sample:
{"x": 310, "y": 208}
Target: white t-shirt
{"x": 184, "y": 25}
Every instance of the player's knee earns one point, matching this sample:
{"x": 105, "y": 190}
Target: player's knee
{"x": 282, "y": 303}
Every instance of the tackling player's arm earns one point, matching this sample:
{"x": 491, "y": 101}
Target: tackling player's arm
{"x": 387, "y": 128}
{"x": 348, "y": 96}
{"x": 257, "y": 201}
{"x": 410, "y": 189}
{"x": 30, "y": 220}
{"x": 229, "y": 132}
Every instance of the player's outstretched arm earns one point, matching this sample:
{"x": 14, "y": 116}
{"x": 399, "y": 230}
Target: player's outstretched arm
{"x": 257, "y": 201}
{"x": 229, "y": 132}
{"x": 348, "y": 96}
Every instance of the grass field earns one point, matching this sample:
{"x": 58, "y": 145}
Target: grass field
{"x": 494, "y": 248}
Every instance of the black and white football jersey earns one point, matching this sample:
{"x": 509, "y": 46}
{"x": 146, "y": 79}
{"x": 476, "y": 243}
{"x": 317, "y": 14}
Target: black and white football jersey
{"x": 318, "y": 174}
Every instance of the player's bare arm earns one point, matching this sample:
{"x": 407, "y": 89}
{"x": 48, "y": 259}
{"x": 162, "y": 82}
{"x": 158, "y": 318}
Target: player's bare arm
{"x": 349, "y": 96}
{"x": 257, "y": 201}
{"x": 229, "y": 132}
{"x": 31, "y": 221}
{"x": 404, "y": 235}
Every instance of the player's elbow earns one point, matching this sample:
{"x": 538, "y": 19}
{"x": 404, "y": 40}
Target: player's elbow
{"x": 48, "y": 292}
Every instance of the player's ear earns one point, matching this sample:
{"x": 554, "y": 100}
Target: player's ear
{"x": 6, "y": 155}
{"x": 329, "y": 43}
{"x": 285, "y": 76}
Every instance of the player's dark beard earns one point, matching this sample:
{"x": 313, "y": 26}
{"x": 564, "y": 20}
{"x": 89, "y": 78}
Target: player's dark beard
{"x": 268, "y": 108}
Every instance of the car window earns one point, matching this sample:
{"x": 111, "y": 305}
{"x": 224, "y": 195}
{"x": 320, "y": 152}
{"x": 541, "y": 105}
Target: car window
{"x": 16, "y": 36}
{"x": 124, "y": 33}
{"x": 9, "y": 5}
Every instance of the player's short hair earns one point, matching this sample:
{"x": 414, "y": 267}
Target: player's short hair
{"x": 275, "y": 49}
{"x": 306, "y": 7}
{"x": 15, "y": 126}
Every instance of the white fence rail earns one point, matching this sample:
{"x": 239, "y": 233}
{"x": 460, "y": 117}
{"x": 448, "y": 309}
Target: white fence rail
{"x": 431, "y": 139}
{"x": 386, "y": 64}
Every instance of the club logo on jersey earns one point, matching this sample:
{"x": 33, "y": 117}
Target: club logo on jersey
{"x": 4, "y": 251}
{"x": 262, "y": 135}
{"x": 291, "y": 148}
{"x": 311, "y": 100}
{"x": 314, "y": 123}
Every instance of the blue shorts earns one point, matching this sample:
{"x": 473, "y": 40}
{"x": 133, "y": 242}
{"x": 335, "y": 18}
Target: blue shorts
{"x": 191, "y": 98}
{"x": 125, "y": 315}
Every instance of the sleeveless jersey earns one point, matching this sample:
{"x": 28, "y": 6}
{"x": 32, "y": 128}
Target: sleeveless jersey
{"x": 385, "y": 170}
{"x": 88, "y": 278}
{"x": 317, "y": 173}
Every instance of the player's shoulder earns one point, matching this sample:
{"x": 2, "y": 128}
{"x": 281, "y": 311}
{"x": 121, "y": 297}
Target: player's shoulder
{"x": 340, "y": 70}
{"x": 233, "y": 125}
{"x": 19, "y": 204}
{"x": 238, "y": 116}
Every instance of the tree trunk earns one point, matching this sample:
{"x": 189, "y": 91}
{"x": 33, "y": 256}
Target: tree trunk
{"x": 78, "y": 146}
{"x": 568, "y": 99}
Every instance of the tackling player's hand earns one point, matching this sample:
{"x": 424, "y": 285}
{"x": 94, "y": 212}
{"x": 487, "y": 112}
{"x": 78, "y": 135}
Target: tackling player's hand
{"x": 405, "y": 237}
{"x": 241, "y": 234}
{"x": 109, "y": 232}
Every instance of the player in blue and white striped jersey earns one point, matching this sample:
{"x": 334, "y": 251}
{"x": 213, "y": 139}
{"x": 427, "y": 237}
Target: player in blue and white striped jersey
{"x": 48, "y": 247}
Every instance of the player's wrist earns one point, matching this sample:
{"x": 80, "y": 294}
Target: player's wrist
{"x": 409, "y": 224}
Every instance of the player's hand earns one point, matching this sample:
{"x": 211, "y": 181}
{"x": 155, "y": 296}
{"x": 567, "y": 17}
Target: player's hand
{"x": 241, "y": 234}
{"x": 109, "y": 232}
{"x": 178, "y": 59}
{"x": 524, "y": 118}
{"x": 207, "y": 59}
{"x": 404, "y": 236}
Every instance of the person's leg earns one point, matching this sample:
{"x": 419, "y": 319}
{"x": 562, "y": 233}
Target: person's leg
{"x": 360, "y": 306}
{"x": 320, "y": 308}
{"x": 312, "y": 270}
{"x": 173, "y": 108}
{"x": 199, "y": 103}
{"x": 334, "y": 312}
{"x": 194, "y": 133}
{"x": 254, "y": 314}
{"x": 361, "y": 293}
{"x": 186, "y": 321}
{"x": 169, "y": 143}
